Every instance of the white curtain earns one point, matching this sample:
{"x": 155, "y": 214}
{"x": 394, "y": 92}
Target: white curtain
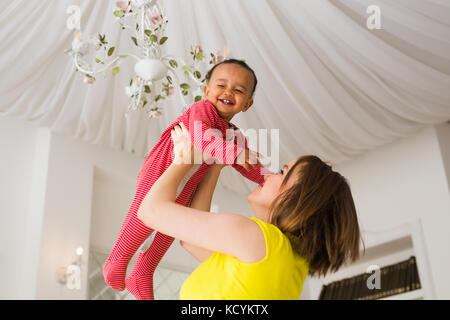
{"x": 330, "y": 85}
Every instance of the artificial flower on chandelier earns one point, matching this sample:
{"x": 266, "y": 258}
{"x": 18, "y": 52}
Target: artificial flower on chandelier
{"x": 157, "y": 77}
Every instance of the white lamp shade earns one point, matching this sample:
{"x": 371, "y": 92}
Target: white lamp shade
{"x": 151, "y": 69}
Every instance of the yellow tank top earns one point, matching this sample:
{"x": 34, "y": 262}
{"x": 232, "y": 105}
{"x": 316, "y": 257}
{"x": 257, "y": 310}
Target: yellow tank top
{"x": 278, "y": 276}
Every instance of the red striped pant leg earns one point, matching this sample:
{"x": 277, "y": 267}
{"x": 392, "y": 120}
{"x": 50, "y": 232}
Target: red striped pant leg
{"x": 131, "y": 236}
{"x": 140, "y": 281}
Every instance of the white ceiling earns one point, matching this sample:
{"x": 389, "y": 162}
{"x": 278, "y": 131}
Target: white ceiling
{"x": 330, "y": 85}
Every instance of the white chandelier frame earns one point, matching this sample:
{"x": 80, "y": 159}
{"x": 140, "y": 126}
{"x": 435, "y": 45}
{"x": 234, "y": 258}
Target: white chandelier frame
{"x": 150, "y": 69}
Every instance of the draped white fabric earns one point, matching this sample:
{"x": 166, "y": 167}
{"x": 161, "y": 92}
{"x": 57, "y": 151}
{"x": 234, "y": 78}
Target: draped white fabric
{"x": 330, "y": 85}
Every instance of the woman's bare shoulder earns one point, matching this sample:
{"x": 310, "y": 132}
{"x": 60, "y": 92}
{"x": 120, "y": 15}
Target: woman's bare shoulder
{"x": 251, "y": 238}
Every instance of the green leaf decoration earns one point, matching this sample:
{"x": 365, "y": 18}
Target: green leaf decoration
{"x": 115, "y": 70}
{"x": 185, "y": 86}
{"x": 144, "y": 101}
{"x": 185, "y": 92}
{"x": 148, "y": 33}
{"x": 111, "y": 51}
{"x": 98, "y": 60}
{"x": 169, "y": 78}
{"x": 163, "y": 39}
{"x": 158, "y": 97}
{"x": 153, "y": 38}
{"x": 147, "y": 89}
{"x": 119, "y": 13}
{"x": 197, "y": 74}
{"x": 198, "y": 98}
{"x": 134, "y": 40}
{"x": 173, "y": 63}
{"x": 186, "y": 67}
{"x": 199, "y": 56}
{"x": 102, "y": 39}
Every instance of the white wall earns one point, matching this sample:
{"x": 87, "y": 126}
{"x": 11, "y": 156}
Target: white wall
{"x": 66, "y": 220}
{"x": 23, "y": 162}
{"x": 443, "y": 134}
{"x": 46, "y": 205}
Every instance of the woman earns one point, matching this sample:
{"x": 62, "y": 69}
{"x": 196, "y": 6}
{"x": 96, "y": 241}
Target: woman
{"x": 305, "y": 223}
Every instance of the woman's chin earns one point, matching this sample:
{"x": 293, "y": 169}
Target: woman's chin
{"x": 252, "y": 196}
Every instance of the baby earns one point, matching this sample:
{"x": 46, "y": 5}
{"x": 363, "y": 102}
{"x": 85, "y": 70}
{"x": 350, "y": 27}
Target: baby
{"x": 229, "y": 90}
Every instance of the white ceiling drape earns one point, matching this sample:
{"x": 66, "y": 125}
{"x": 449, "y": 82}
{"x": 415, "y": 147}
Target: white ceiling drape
{"x": 330, "y": 85}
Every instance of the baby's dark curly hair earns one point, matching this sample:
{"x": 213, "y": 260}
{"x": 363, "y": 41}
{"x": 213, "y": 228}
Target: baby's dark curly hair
{"x": 238, "y": 62}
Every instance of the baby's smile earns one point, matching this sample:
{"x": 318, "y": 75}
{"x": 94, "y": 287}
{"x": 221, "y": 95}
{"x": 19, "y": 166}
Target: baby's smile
{"x": 226, "y": 101}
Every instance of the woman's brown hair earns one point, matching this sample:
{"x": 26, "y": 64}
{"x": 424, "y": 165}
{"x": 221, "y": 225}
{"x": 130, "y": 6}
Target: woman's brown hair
{"x": 318, "y": 209}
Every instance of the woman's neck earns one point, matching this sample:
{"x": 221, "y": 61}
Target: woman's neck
{"x": 260, "y": 213}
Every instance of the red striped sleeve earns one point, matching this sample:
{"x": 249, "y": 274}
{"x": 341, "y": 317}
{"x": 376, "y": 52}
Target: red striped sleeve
{"x": 254, "y": 174}
{"x": 208, "y": 133}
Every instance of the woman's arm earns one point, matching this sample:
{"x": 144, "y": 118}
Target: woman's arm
{"x": 205, "y": 190}
{"x": 202, "y": 201}
{"x": 231, "y": 234}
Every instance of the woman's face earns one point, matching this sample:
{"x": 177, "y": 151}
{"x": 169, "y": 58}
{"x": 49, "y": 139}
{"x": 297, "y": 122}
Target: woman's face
{"x": 262, "y": 197}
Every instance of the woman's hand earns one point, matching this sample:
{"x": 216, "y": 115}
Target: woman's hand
{"x": 184, "y": 151}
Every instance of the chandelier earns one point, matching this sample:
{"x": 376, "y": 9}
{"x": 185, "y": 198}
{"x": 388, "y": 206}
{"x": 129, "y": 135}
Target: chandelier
{"x": 157, "y": 77}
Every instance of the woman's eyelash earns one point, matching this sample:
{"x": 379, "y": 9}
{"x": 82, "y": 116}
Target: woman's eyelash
{"x": 281, "y": 171}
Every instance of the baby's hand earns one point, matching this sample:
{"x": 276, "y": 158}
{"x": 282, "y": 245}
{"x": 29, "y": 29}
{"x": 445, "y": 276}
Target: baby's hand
{"x": 248, "y": 158}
